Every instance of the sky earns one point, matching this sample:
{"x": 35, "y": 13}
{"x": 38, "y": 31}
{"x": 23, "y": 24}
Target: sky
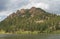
{"x": 9, "y": 6}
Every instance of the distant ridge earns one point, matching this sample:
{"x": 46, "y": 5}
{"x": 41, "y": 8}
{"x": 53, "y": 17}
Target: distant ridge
{"x": 34, "y": 19}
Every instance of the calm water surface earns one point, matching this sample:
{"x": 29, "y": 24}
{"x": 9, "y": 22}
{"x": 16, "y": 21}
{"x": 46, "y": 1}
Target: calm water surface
{"x": 40, "y": 36}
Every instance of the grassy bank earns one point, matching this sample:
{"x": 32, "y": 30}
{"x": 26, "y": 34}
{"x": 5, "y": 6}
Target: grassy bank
{"x": 31, "y": 32}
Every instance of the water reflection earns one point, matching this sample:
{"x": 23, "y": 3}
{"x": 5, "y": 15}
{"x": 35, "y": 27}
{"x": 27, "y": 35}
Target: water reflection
{"x": 40, "y": 36}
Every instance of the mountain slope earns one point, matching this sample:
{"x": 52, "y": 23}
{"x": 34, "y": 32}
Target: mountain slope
{"x": 34, "y": 19}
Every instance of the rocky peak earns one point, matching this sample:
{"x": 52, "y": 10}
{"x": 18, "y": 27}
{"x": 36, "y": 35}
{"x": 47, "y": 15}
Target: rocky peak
{"x": 32, "y": 9}
{"x": 18, "y": 11}
{"x": 22, "y": 11}
{"x": 12, "y": 15}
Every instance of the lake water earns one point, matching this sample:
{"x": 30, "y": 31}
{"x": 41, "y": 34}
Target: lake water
{"x": 40, "y": 36}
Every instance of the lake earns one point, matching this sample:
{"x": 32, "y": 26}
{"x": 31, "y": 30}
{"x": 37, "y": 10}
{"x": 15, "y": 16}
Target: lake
{"x": 20, "y": 36}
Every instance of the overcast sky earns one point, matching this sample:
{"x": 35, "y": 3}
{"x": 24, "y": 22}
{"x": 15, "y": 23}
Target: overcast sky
{"x": 9, "y": 6}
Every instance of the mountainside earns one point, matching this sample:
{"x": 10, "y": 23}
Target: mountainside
{"x": 34, "y": 19}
